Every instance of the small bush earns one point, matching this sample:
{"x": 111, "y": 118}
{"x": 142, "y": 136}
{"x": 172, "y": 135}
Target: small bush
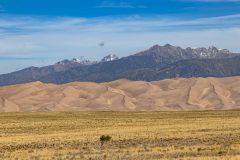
{"x": 104, "y": 139}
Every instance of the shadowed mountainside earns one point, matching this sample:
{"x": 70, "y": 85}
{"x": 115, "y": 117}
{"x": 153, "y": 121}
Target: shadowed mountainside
{"x": 123, "y": 95}
{"x": 155, "y": 63}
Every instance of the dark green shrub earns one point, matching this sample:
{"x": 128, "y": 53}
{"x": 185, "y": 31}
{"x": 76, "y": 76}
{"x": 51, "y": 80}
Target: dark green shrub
{"x": 104, "y": 139}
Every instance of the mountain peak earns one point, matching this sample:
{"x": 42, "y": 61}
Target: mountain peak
{"x": 168, "y": 45}
{"x": 81, "y": 61}
{"x": 110, "y": 57}
{"x": 173, "y": 53}
{"x": 158, "y": 62}
{"x": 158, "y": 46}
{"x": 76, "y": 60}
{"x": 155, "y": 46}
{"x": 215, "y": 49}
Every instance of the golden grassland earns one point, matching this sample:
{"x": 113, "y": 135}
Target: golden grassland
{"x": 135, "y": 136}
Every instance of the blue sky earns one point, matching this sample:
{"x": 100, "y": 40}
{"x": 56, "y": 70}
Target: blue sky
{"x": 41, "y": 32}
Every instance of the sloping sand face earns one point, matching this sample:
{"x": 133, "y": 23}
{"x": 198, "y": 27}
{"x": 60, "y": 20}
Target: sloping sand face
{"x": 182, "y": 94}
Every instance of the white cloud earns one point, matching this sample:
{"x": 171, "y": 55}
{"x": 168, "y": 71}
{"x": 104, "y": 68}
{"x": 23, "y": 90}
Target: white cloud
{"x": 107, "y": 4}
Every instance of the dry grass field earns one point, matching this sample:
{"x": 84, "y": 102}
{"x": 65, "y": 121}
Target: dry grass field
{"x": 135, "y": 136}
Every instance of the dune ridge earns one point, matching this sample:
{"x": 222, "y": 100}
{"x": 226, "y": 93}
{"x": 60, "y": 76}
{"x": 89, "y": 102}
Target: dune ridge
{"x": 181, "y": 94}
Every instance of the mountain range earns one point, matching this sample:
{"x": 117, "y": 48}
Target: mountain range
{"x": 179, "y": 94}
{"x": 155, "y": 63}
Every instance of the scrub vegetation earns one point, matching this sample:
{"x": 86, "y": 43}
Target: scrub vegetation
{"x": 120, "y": 135}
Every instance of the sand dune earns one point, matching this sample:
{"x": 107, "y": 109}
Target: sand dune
{"x": 123, "y": 95}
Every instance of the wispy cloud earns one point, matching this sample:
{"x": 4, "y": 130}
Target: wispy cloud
{"x": 13, "y": 58}
{"x": 107, "y": 4}
{"x": 28, "y": 25}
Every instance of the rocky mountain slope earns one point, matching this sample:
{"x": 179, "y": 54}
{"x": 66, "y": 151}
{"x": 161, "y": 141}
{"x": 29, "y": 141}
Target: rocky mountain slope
{"x": 156, "y": 63}
{"x": 161, "y": 53}
{"x": 181, "y": 94}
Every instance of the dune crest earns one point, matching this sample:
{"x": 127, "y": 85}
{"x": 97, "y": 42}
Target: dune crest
{"x": 182, "y": 94}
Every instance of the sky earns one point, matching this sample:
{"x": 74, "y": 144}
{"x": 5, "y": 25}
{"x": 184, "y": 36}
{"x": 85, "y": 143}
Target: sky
{"x": 42, "y": 32}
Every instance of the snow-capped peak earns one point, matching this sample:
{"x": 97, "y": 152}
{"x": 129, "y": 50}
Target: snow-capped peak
{"x": 81, "y": 61}
{"x": 76, "y": 60}
{"x": 110, "y": 57}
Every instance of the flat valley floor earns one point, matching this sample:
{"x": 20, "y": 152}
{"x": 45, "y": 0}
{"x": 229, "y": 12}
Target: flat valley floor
{"x": 135, "y": 136}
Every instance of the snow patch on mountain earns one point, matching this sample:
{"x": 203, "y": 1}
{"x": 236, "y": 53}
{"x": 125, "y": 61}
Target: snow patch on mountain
{"x": 81, "y": 61}
{"x": 110, "y": 57}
